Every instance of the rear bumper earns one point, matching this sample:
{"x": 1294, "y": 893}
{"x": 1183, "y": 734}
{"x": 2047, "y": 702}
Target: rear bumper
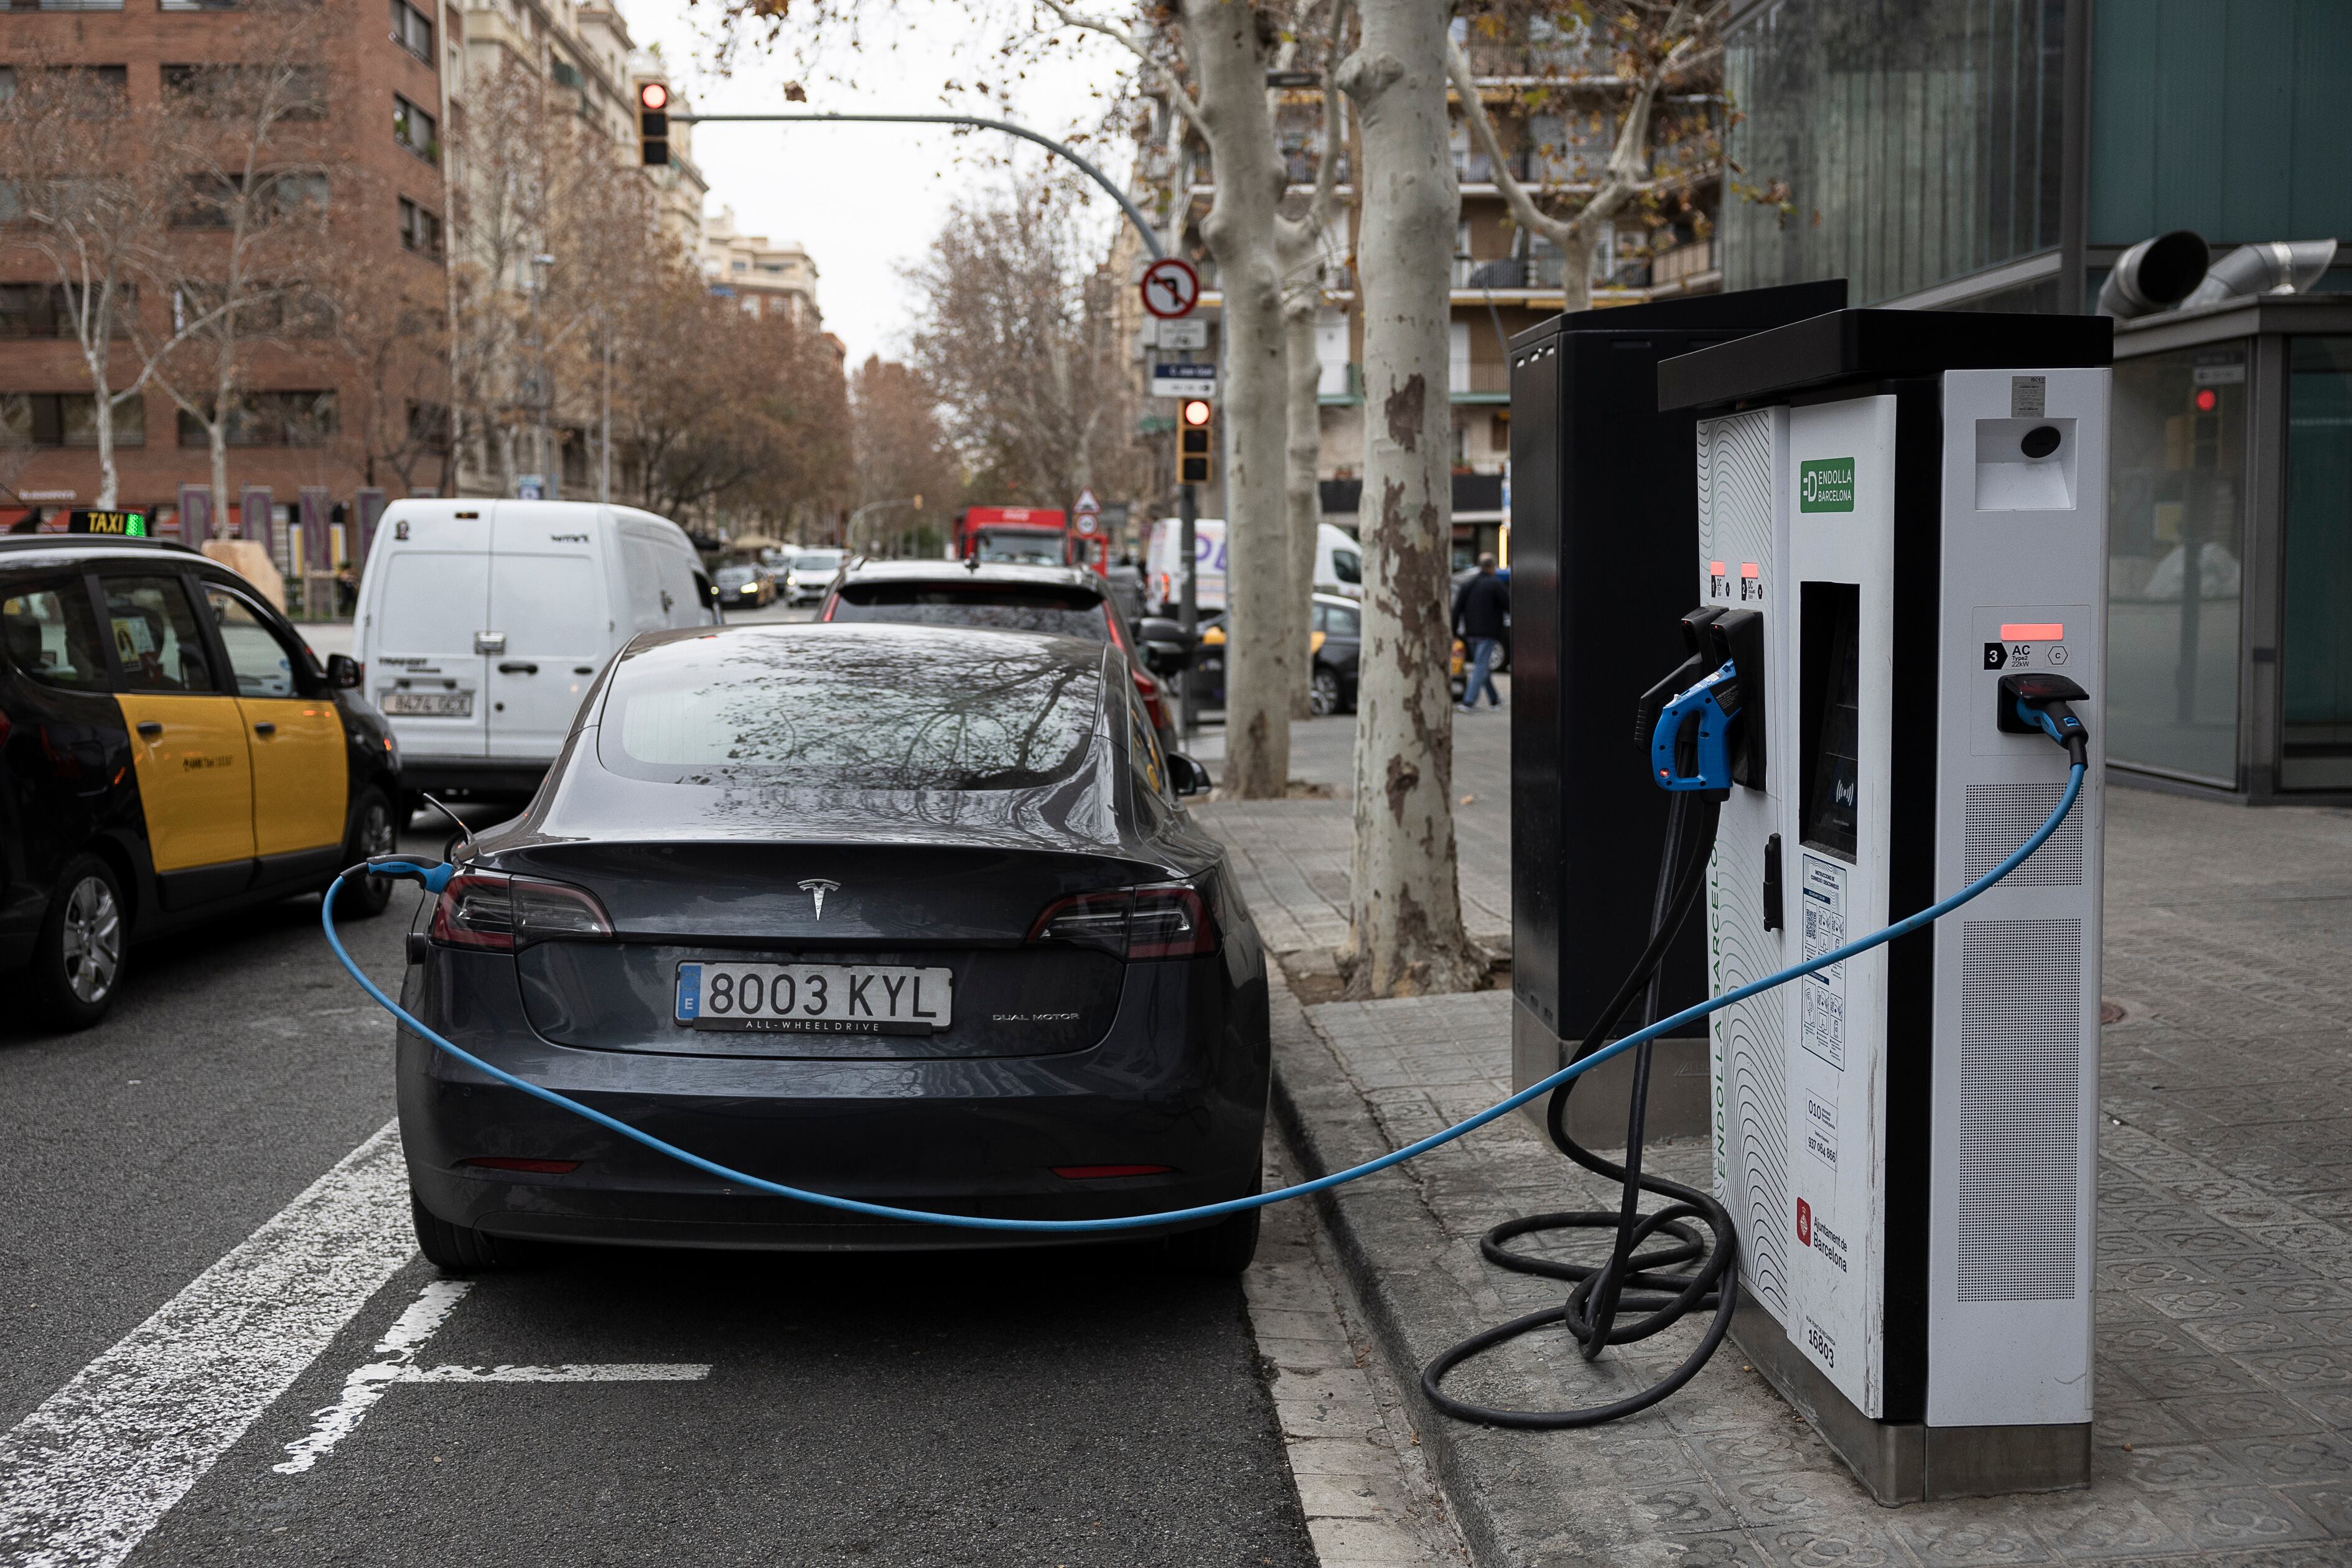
{"x": 499, "y": 777}
{"x": 970, "y": 1135}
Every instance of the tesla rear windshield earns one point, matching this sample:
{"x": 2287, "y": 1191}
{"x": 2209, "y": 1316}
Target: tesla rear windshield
{"x": 1000, "y": 606}
{"x": 910, "y": 710}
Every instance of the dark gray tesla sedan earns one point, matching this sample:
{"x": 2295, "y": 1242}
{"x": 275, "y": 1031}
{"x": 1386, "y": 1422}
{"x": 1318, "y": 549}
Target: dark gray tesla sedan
{"x": 904, "y": 913}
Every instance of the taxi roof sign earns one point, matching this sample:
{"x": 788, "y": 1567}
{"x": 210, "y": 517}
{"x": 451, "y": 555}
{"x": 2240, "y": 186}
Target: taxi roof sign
{"x": 121, "y": 524}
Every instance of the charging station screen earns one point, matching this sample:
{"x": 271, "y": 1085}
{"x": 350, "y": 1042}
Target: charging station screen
{"x": 1829, "y": 714}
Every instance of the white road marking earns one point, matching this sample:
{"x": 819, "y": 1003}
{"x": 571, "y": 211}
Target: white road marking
{"x": 569, "y": 1372}
{"x": 396, "y": 1363}
{"x": 84, "y": 1477}
{"x": 365, "y": 1385}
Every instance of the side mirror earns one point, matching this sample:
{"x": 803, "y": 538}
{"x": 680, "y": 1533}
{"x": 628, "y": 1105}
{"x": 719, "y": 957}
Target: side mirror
{"x": 343, "y": 672}
{"x": 1167, "y": 630}
{"x": 1189, "y": 776}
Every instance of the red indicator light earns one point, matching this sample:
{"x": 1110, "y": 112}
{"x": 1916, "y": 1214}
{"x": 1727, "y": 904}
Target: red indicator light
{"x": 1101, "y": 1172}
{"x": 1715, "y": 568}
{"x": 2208, "y": 400}
{"x": 1750, "y": 570}
{"x": 2032, "y": 631}
{"x": 535, "y": 1167}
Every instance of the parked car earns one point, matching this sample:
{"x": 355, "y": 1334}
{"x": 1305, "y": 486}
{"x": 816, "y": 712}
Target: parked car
{"x": 169, "y": 750}
{"x": 912, "y": 912}
{"x": 1335, "y": 643}
{"x": 1338, "y": 565}
{"x": 745, "y": 587}
{"x": 1060, "y": 601}
{"x": 482, "y": 622}
{"x": 811, "y": 574}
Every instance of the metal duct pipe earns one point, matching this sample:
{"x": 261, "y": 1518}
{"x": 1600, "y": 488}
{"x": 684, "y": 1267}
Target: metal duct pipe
{"x": 2274, "y": 266}
{"x": 2153, "y": 274}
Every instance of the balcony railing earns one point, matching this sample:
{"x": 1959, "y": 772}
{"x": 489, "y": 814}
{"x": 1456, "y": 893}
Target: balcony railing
{"x": 1684, "y": 261}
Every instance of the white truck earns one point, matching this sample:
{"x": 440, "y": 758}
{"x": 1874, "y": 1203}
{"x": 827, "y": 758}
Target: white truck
{"x": 482, "y": 624}
{"x": 1338, "y": 565}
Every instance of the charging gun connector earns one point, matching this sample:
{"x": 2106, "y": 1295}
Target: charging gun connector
{"x": 2036, "y": 704}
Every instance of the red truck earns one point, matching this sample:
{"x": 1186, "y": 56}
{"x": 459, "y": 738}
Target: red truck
{"x": 1013, "y": 535}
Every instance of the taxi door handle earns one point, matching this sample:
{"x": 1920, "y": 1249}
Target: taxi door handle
{"x": 150, "y": 729}
{"x": 264, "y": 728}
{"x": 517, "y": 669}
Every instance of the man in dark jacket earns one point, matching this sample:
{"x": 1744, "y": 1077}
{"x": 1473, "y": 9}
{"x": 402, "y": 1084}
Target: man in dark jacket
{"x": 1482, "y": 611}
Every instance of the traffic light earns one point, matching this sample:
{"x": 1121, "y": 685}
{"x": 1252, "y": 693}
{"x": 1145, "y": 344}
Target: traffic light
{"x": 1194, "y": 442}
{"x": 652, "y": 121}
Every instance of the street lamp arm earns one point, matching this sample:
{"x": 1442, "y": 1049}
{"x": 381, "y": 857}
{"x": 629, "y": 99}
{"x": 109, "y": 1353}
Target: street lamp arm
{"x": 1134, "y": 214}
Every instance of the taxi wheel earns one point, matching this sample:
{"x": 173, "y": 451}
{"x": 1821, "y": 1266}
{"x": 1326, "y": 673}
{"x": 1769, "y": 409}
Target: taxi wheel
{"x": 371, "y": 833}
{"x": 1223, "y": 1249}
{"x": 453, "y": 1249}
{"x": 78, "y": 962}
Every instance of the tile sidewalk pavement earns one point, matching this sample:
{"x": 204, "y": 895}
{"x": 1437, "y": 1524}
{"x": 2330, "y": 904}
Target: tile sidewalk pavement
{"x": 2224, "y": 1270}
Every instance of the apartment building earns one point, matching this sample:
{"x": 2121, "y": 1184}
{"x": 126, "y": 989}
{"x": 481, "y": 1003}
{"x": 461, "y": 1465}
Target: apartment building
{"x": 1554, "y": 102}
{"x": 297, "y": 438}
{"x": 765, "y": 277}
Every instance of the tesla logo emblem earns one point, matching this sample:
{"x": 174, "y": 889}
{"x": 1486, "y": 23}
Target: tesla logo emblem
{"x": 817, "y": 888}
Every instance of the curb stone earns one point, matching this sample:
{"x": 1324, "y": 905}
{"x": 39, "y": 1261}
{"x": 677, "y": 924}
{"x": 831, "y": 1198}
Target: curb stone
{"x": 1514, "y": 1495}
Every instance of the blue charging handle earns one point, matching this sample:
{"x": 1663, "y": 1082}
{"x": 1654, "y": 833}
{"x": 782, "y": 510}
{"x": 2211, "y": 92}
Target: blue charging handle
{"x": 1702, "y": 705}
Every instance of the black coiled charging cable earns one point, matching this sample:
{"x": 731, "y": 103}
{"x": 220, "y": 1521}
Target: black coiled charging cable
{"x": 1683, "y": 1270}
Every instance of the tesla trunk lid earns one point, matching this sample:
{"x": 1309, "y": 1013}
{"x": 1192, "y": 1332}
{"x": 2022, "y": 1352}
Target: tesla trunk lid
{"x": 965, "y": 909}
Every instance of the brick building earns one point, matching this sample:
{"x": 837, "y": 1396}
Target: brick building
{"x": 380, "y": 100}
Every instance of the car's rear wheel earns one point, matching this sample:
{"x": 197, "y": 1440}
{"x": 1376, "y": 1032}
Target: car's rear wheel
{"x": 371, "y": 833}
{"x": 79, "y": 955}
{"x": 1324, "y": 699}
{"x": 455, "y": 1248}
{"x": 1223, "y": 1249}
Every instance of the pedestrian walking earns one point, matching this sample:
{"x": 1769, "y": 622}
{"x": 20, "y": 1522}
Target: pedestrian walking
{"x": 1482, "y": 615}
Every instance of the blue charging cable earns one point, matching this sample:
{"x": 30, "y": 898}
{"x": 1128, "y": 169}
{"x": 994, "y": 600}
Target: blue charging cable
{"x": 435, "y": 875}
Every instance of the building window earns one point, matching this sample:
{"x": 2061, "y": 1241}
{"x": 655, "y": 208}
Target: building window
{"x": 224, "y": 92}
{"x": 68, "y": 419}
{"x": 565, "y": 73}
{"x": 412, "y": 30}
{"x": 413, "y": 128}
{"x": 420, "y": 229}
{"x": 210, "y": 201}
{"x": 46, "y": 310}
{"x": 270, "y": 419}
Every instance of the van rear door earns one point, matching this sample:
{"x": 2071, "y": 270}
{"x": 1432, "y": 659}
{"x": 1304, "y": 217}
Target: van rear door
{"x": 547, "y": 596}
{"x": 422, "y": 666}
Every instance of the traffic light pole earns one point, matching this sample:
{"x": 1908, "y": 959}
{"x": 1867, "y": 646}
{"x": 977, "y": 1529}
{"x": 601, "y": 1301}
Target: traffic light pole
{"x": 1188, "y": 606}
{"x": 1134, "y": 214}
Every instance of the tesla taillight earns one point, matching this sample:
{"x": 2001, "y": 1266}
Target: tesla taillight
{"x": 1170, "y": 922}
{"x": 1165, "y": 920}
{"x": 492, "y": 909}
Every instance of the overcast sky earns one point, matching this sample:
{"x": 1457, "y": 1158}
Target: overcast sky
{"x": 867, "y": 199}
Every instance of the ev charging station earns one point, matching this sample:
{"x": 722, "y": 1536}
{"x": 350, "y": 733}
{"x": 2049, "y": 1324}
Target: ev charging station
{"x": 1902, "y": 516}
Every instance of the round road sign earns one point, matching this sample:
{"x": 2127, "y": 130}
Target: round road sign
{"x": 1171, "y": 287}
{"x": 1084, "y": 522}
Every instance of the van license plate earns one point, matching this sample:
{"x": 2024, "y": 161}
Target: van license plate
{"x": 815, "y": 998}
{"x": 428, "y": 704}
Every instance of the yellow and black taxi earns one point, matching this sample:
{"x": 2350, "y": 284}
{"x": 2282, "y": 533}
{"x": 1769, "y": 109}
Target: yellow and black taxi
{"x": 169, "y": 750}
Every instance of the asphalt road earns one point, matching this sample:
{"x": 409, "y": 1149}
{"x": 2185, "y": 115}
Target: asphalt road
{"x": 307, "y": 1390}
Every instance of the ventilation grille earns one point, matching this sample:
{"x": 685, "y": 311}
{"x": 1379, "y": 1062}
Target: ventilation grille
{"x": 2000, "y": 817}
{"x": 2021, "y": 1109}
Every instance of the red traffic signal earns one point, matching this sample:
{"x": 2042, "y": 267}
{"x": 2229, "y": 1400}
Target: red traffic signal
{"x": 653, "y": 122}
{"x": 1196, "y": 411}
{"x": 1195, "y": 442}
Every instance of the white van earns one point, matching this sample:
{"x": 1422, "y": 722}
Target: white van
{"x": 483, "y": 623}
{"x": 1338, "y": 565}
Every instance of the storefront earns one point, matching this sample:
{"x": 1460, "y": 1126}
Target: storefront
{"x": 2229, "y": 550}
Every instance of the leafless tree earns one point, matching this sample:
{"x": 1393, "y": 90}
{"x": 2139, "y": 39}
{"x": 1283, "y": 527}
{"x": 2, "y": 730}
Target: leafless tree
{"x": 1611, "y": 64}
{"x": 1020, "y": 342}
